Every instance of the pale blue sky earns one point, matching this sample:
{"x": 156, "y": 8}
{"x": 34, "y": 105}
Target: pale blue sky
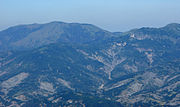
{"x": 112, "y": 15}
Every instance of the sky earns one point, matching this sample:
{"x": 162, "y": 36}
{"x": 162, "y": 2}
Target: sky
{"x": 112, "y": 15}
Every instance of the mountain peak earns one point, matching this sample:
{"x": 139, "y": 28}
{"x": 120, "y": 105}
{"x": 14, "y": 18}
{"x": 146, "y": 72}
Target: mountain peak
{"x": 56, "y": 22}
{"x": 35, "y": 35}
{"x": 172, "y": 25}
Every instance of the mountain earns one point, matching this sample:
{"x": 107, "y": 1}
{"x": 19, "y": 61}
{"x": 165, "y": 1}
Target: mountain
{"x": 36, "y": 35}
{"x": 88, "y": 66}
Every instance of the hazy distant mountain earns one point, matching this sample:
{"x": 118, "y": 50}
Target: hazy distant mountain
{"x": 35, "y": 35}
{"x": 82, "y": 65}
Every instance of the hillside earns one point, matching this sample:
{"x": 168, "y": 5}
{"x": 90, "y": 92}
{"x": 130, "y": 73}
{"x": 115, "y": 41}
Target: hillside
{"x": 80, "y": 64}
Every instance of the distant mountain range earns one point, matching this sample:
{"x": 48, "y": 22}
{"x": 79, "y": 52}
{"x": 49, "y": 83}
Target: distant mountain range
{"x": 72, "y": 64}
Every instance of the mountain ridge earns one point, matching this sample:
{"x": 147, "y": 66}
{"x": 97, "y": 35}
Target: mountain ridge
{"x": 23, "y": 36}
{"x": 41, "y": 34}
{"x": 136, "y": 68}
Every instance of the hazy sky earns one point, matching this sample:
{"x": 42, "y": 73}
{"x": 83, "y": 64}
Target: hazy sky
{"x": 112, "y": 15}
